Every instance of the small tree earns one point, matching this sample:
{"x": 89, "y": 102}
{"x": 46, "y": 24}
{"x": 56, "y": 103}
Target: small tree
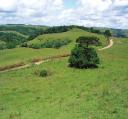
{"x": 88, "y": 40}
{"x": 2, "y": 45}
{"x": 107, "y": 34}
{"x": 83, "y": 57}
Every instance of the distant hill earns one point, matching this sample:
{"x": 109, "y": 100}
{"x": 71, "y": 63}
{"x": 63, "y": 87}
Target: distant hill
{"x": 21, "y": 28}
{"x": 71, "y": 35}
{"x": 16, "y": 34}
{"x": 12, "y": 38}
{"x": 122, "y": 33}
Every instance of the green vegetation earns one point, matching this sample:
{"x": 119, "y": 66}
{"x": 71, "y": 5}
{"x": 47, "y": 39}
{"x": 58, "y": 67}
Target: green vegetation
{"x": 83, "y": 56}
{"x": 107, "y": 34}
{"x": 27, "y": 54}
{"x": 43, "y": 73}
{"x": 12, "y": 38}
{"x": 69, "y": 93}
{"x": 72, "y": 35}
{"x": 2, "y": 45}
{"x": 88, "y": 40}
{"x": 49, "y": 44}
{"x": 21, "y": 28}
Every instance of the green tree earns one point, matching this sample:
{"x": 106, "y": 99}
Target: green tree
{"x": 107, "y": 34}
{"x": 83, "y": 57}
{"x": 2, "y": 45}
{"x": 88, "y": 40}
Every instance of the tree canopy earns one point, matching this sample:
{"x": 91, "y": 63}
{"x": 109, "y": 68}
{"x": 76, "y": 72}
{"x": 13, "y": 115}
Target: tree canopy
{"x": 107, "y": 34}
{"x": 83, "y": 57}
{"x": 88, "y": 40}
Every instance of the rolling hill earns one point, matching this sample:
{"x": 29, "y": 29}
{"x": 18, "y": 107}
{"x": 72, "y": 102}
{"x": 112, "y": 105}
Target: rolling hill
{"x": 27, "y": 54}
{"x": 67, "y": 93}
{"x": 22, "y": 28}
{"x": 12, "y": 38}
{"x": 72, "y": 35}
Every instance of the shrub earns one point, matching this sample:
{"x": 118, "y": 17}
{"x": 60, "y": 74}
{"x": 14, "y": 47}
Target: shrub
{"x": 24, "y": 44}
{"x": 43, "y": 73}
{"x": 83, "y": 57}
{"x": 35, "y": 46}
{"x": 51, "y": 44}
{"x": 2, "y": 45}
{"x": 55, "y": 43}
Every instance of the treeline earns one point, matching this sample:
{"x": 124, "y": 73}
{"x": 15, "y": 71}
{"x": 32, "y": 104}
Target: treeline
{"x": 48, "y": 44}
{"x": 56, "y": 29}
{"x": 23, "y": 29}
{"x": 11, "y": 39}
{"x": 60, "y": 29}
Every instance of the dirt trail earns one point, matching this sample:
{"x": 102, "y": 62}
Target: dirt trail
{"x": 36, "y": 63}
{"x": 16, "y": 68}
{"x": 50, "y": 58}
{"x": 110, "y": 45}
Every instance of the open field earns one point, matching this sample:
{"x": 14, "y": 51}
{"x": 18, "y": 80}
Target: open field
{"x": 67, "y": 93}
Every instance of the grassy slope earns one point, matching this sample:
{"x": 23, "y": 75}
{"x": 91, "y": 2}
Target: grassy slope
{"x": 71, "y": 35}
{"x": 69, "y": 93}
{"x": 26, "y": 54}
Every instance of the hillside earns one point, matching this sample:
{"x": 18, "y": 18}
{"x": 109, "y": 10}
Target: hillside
{"x": 115, "y": 32}
{"x": 100, "y": 93}
{"x": 72, "y": 35}
{"x": 23, "y": 29}
{"x": 27, "y": 54}
{"x": 12, "y": 38}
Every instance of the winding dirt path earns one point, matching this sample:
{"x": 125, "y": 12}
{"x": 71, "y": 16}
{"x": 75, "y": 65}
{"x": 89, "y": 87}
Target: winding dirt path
{"x": 36, "y": 63}
{"x": 110, "y": 45}
{"x": 50, "y": 58}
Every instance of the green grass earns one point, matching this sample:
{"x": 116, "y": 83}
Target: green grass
{"x": 71, "y": 35}
{"x": 12, "y": 56}
{"x": 69, "y": 93}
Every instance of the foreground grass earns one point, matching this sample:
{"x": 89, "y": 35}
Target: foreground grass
{"x": 69, "y": 93}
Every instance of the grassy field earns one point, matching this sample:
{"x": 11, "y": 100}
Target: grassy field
{"x": 71, "y": 35}
{"x": 16, "y": 55}
{"x": 67, "y": 93}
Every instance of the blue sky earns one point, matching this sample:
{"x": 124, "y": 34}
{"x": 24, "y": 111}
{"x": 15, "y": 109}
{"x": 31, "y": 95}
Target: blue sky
{"x": 99, "y": 13}
{"x": 70, "y": 4}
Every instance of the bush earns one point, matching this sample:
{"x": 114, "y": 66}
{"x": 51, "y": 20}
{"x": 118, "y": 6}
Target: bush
{"x": 43, "y": 73}
{"x": 35, "y": 46}
{"x": 83, "y": 57}
{"x": 24, "y": 44}
{"x": 2, "y": 45}
{"x": 51, "y": 44}
{"x": 55, "y": 43}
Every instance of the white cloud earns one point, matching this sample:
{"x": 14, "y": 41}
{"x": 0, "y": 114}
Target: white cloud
{"x": 7, "y": 5}
{"x": 120, "y": 2}
{"x": 106, "y": 13}
{"x": 95, "y": 5}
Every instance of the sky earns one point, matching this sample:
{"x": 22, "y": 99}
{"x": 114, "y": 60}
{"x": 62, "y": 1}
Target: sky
{"x": 98, "y": 13}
